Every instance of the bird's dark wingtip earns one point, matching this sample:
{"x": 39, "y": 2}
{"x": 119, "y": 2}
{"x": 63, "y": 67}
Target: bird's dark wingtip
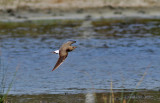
{"x": 53, "y": 69}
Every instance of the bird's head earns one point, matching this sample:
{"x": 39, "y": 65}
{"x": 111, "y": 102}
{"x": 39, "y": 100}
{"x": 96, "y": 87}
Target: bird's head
{"x": 71, "y": 42}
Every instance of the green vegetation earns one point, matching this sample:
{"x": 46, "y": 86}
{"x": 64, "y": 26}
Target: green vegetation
{"x": 4, "y": 89}
{"x": 125, "y": 99}
{"x": 142, "y": 96}
{"x": 66, "y": 28}
{"x": 134, "y": 27}
{"x": 125, "y": 21}
{"x": 35, "y": 28}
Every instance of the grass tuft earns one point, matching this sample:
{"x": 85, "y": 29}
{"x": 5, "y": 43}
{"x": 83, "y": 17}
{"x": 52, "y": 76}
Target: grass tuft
{"x": 3, "y": 93}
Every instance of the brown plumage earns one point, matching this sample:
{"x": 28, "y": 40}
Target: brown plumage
{"x": 63, "y": 53}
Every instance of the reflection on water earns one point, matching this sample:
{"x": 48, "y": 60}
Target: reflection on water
{"x": 90, "y": 98}
{"x": 114, "y": 51}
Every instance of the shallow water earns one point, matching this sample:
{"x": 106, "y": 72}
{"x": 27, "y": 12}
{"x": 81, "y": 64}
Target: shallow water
{"x": 118, "y": 50}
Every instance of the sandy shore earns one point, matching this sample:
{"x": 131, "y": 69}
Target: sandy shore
{"x": 72, "y": 9}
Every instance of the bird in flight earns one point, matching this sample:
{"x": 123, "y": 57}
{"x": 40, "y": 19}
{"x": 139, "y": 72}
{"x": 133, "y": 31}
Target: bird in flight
{"x": 63, "y": 52}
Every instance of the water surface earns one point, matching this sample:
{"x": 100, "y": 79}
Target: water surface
{"x": 121, "y": 51}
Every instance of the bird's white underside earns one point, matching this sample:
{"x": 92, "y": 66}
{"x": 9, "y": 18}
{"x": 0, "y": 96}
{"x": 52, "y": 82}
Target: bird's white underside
{"x": 56, "y": 51}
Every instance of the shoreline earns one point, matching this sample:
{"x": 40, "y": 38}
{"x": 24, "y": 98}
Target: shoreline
{"x": 84, "y": 91}
{"x": 107, "y": 12}
{"x": 91, "y": 97}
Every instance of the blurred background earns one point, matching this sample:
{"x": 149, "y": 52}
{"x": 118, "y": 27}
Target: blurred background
{"x": 77, "y": 3}
{"x": 118, "y": 50}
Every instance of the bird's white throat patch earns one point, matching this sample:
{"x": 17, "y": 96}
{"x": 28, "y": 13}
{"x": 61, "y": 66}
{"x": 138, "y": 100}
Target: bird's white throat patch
{"x": 56, "y": 51}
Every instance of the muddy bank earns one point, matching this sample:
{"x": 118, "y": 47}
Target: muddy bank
{"x": 68, "y": 4}
{"x": 20, "y": 10}
{"x": 140, "y": 96}
{"x": 24, "y": 14}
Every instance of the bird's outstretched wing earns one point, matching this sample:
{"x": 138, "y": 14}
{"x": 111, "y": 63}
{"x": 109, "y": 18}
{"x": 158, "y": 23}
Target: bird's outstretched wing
{"x": 59, "y": 62}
